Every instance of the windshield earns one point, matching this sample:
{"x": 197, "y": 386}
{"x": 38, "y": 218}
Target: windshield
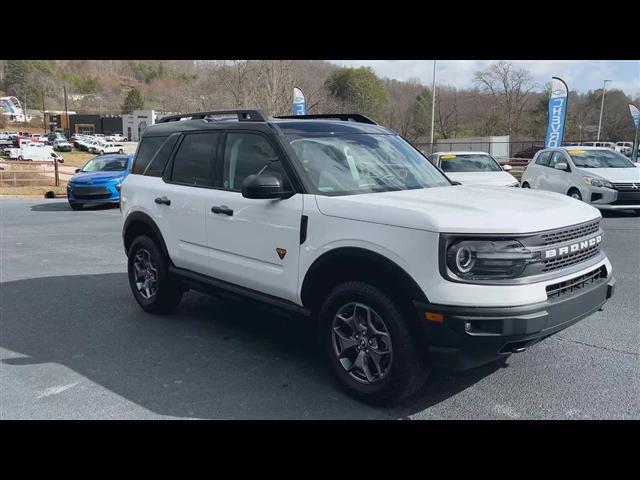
{"x": 347, "y": 163}
{"x": 468, "y": 163}
{"x": 105, "y": 165}
{"x": 599, "y": 159}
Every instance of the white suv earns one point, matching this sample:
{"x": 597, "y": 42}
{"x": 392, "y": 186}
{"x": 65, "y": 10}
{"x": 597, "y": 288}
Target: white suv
{"x": 341, "y": 220}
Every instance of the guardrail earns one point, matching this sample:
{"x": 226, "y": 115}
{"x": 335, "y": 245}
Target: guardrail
{"x": 18, "y": 172}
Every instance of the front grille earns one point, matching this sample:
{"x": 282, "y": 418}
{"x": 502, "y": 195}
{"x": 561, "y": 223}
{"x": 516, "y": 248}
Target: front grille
{"x": 558, "y": 290}
{"x": 627, "y": 186}
{"x": 566, "y": 234}
{"x": 571, "y": 259}
{"x": 91, "y": 193}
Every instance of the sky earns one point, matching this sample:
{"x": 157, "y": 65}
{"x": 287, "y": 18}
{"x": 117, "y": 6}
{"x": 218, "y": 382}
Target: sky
{"x": 580, "y": 75}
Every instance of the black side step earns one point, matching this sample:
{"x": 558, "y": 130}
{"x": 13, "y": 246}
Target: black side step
{"x": 205, "y": 283}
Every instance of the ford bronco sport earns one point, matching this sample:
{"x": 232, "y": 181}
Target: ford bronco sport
{"x": 340, "y": 219}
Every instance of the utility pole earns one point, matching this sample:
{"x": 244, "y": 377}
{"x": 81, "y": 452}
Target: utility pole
{"x": 44, "y": 115}
{"x": 66, "y": 111}
{"x": 604, "y": 89}
{"x": 433, "y": 102}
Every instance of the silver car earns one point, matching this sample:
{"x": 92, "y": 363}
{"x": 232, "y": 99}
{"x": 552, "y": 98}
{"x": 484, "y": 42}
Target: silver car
{"x": 599, "y": 176}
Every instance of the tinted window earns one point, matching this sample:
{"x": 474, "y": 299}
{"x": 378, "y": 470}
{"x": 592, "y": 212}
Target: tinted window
{"x": 158, "y": 162}
{"x": 146, "y": 150}
{"x": 543, "y": 158}
{"x": 193, "y": 162}
{"x": 249, "y": 154}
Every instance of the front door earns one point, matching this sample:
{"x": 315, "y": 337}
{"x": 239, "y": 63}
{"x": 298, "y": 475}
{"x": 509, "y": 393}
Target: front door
{"x": 253, "y": 243}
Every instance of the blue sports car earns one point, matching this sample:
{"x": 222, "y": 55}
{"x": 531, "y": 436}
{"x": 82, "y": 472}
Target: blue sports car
{"x": 98, "y": 181}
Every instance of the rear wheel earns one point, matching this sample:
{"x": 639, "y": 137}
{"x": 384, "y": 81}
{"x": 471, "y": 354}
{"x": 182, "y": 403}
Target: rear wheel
{"x": 368, "y": 344}
{"x": 120, "y": 151}
{"x": 525, "y": 185}
{"x": 575, "y": 193}
{"x": 155, "y": 289}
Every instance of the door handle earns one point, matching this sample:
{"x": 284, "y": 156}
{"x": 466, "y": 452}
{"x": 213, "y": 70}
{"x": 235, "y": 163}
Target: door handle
{"x": 162, "y": 200}
{"x": 222, "y": 209}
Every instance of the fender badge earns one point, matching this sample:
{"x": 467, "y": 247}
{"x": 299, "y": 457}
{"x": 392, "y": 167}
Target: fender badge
{"x": 281, "y": 252}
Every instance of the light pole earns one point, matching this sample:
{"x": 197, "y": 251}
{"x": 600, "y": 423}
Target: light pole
{"x": 604, "y": 89}
{"x": 433, "y": 102}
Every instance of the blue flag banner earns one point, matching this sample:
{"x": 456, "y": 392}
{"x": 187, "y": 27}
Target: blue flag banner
{"x": 635, "y": 115}
{"x": 299, "y": 102}
{"x": 557, "y": 113}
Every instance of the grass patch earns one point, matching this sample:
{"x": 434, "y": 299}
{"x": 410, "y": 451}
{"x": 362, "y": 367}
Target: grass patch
{"x": 76, "y": 158}
{"x": 9, "y": 191}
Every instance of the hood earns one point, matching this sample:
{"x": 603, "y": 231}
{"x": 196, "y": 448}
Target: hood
{"x": 96, "y": 177}
{"x": 501, "y": 178}
{"x": 463, "y": 209}
{"x": 616, "y": 175}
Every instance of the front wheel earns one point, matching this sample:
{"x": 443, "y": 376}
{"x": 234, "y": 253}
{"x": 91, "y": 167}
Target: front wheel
{"x": 525, "y": 185}
{"x": 101, "y": 152}
{"x": 120, "y": 151}
{"x": 575, "y": 193}
{"x": 368, "y": 344}
{"x": 153, "y": 286}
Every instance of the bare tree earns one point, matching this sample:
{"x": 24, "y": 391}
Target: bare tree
{"x": 510, "y": 87}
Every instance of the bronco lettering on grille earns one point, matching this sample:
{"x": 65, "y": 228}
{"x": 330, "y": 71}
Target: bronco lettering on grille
{"x": 573, "y": 248}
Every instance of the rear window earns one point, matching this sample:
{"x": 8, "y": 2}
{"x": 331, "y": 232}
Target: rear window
{"x": 146, "y": 150}
{"x": 193, "y": 162}
{"x": 159, "y": 160}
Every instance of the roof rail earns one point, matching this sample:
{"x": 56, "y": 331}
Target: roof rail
{"x": 346, "y": 117}
{"x": 243, "y": 115}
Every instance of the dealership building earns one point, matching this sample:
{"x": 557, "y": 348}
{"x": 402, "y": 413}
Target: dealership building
{"x": 134, "y": 123}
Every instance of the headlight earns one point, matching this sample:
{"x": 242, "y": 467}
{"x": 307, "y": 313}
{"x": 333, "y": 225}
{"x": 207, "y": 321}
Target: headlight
{"x": 597, "y": 182}
{"x": 488, "y": 259}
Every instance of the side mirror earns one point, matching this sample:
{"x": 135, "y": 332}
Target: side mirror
{"x": 77, "y": 170}
{"x": 507, "y": 168}
{"x": 262, "y": 187}
{"x": 561, "y": 166}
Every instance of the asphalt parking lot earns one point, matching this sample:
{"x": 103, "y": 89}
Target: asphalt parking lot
{"x": 75, "y": 345}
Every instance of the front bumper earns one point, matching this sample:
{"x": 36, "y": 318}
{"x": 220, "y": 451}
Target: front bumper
{"x": 97, "y": 194}
{"x": 468, "y": 337}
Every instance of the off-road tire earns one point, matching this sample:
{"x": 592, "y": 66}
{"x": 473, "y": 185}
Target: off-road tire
{"x": 168, "y": 289}
{"x": 408, "y": 369}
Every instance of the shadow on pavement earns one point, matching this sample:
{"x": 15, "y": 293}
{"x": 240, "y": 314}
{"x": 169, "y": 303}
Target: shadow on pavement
{"x": 64, "y": 207}
{"x": 211, "y": 358}
{"x": 617, "y": 213}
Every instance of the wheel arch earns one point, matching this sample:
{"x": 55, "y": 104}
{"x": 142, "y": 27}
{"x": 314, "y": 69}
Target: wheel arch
{"x": 356, "y": 263}
{"x": 139, "y": 223}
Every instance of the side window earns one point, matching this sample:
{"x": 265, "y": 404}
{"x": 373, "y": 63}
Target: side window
{"x": 146, "y": 150}
{"x": 159, "y": 160}
{"x": 193, "y": 162}
{"x": 557, "y": 157}
{"x": 248, "y": 154}
{"x": 543, "y": 159}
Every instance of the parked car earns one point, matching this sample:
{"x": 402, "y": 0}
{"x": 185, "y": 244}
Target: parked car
{"x": 625, "y": 148}
{"x": 96, "y": 146}
{"x": 473, "y": 168}
{"x": 61, "y": 145}
{"x": 118, "y": 137}
{"x": 528, "y": 152}
{"x": 98, "y": 181}
{"x": 609, "y": 145}
{"x": 35, "y": 151}
{"x": 346, "y": 223}
{"x": 111, "y": 148}
{"x": 599, "y": 176}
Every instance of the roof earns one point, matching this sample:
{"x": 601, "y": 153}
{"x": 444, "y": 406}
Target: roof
{"x": 271, "y": 125}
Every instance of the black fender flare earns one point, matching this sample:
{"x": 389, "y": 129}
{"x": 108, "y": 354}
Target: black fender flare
{"x": 138, "y": 219}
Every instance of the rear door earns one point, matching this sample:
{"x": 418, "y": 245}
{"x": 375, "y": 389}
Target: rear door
{"x": 537, "y": 171}
{"x": 255, "y": 243}
{"x": 181, "y": 201}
